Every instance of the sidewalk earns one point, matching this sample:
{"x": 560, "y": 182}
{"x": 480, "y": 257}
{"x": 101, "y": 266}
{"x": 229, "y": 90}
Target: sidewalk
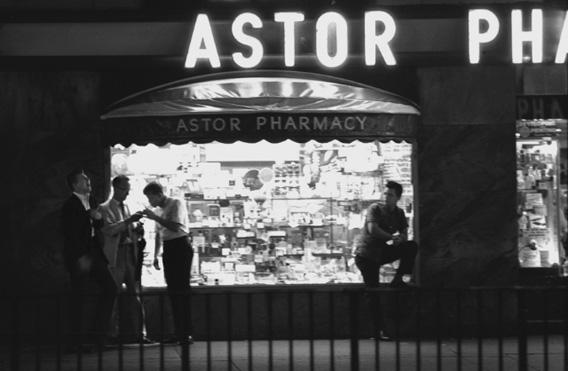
{"x": 316, "y": 355}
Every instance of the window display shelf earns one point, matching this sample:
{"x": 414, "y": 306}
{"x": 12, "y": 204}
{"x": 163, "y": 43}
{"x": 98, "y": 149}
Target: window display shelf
{"x": 332, "y": 255}
{"x": 295, "y": 217}
{"x": 538, "y": 202}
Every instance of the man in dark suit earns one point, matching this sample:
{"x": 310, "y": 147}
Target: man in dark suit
{"x": 85, "y": 260}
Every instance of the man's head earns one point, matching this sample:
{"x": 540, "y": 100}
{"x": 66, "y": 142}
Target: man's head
{"x": 155, "y": 193}
{"x": 393, "y": 193}
{"x": 79, "y": 182}
{"x": 120, "y": 187}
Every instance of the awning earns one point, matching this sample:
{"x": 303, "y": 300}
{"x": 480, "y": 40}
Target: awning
{"x": 254, "y": 105}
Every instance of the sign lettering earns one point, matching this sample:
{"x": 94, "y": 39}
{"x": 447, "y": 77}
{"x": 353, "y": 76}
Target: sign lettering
{"x": 542, "y": 107}
{"x": 269, "y": 126}
{"x": 334, "y": 35}
{"x": 299, "y": 123}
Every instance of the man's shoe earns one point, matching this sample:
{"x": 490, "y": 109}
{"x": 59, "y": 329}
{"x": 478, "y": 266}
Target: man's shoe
{"x": 178, "y": 340}
{"x": 384, "y": 336}
{"x": 144, "y": 340}
{"x": 185, "y": 341}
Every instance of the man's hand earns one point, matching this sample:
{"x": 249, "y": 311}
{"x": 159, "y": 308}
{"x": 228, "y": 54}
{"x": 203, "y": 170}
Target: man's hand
{"x": 135, "y": 217}
{"x": 156, "y": 264}
{"x": 149, "y": 214}
{"x": 397, "y": 239}
{"x": 95, "y": 214}
{"x": 139, "y": 229}
{"x": 84, "y": 263}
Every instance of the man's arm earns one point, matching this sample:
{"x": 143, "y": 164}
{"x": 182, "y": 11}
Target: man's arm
{"x": 75, "y": 244}
{"x": 402, "y": 235}
{"x": 111, "y": 226}
{"x": 172, "y": 225}
{"x": 71, "y": 217}
{"x": 157, "y": 250}
{"x": 376, "y": 231}
{"x": 372, "y": 224}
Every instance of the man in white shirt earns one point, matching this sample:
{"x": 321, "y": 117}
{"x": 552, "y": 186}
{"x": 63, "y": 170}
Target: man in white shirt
{"x": 172, "y": 232}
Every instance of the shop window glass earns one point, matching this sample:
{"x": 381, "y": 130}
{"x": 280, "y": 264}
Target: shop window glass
{"x": 541, "y": 196}
{"x": 269, "y": 213}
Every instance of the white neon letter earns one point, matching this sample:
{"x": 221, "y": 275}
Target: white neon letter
{"x": 323, "y": 26}
{"x": 289, "y": 19}
{"x": 476, "y": 37}
{"x": 372, "y": 40}
{"x": 534, "y": 36}
{"x": 202, "y": 34}
{"x": 257, "y": 50}
{"x": 562, "y": 49}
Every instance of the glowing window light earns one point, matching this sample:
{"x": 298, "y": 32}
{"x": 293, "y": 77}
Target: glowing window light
{"x": 373, "y": 41}
{"x": 534, "y": 36}
{"x": 323, "y": 26}
{"x": 562, "y": 49}
{"x": 476, "y": 37}
{"x": 202, "y": 34}
{"x": 289, "y": 19}
{"x": 257, "y": 50}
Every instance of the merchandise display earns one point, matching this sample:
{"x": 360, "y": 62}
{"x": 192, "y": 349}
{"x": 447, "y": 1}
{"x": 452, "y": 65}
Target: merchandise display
{"x": 270, "y": 213}
{"x": 539, "y": 197}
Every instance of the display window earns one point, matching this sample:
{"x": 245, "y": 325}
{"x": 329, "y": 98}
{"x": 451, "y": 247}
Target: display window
{"x": 276, "y": 168}
{"x": 269, "y": 213}
{"x": 541, "y": 184}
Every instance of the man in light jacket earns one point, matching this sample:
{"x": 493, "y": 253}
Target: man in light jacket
{"x": 121, "y": 249}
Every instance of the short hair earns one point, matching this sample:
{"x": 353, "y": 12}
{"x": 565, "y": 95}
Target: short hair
{"x": 396, "y": 186}
{"x": 72, "y": 177}
{"x": 153, "y": 188}
{"x": 119, "y": 179}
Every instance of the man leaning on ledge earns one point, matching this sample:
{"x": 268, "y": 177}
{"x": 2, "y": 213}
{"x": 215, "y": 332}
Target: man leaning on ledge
{"x": 384, "y": 239}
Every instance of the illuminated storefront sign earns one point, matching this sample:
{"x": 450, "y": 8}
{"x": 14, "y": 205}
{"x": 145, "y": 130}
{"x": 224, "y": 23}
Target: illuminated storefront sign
{"x": 521, "y": 34}
{"x": 254, "y": 127}
{"x": 333, "y": 33}
{"x": 273, "y": 123}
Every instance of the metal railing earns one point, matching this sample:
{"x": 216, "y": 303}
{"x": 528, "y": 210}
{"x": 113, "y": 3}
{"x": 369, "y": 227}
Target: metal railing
{"x": 306, "y": 328}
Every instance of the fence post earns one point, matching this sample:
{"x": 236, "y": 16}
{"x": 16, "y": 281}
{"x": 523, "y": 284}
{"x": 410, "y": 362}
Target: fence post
{"x": 354, "y": 331}
{"x": 522, "y": 338}
{"x": 14, "y": 358}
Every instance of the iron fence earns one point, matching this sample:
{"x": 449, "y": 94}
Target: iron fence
{"x": 301, "y": 328}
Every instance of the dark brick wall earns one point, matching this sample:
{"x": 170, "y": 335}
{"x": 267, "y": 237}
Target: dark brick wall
{"x": 466, "y": 177}
{"x": 52, "y": 120}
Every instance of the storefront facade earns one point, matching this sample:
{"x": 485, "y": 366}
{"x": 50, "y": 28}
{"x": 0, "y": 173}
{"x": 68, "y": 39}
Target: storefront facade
{"x": 464, "y": 142}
